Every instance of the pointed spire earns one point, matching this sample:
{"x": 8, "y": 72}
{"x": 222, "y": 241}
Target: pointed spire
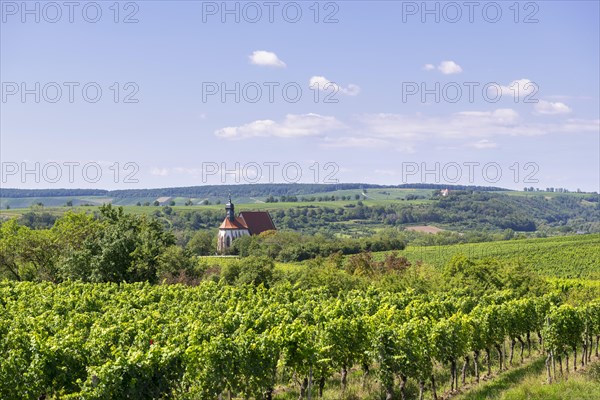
{"x": 229, "y": 209}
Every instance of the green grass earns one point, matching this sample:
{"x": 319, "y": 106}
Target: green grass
{"x": 529, "y": 383}
{"x": 500, "y": 383}
{"x": 579, "y": 388}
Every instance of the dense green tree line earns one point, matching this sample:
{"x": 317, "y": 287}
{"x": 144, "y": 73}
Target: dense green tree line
{"x": 112, "y": 247}
{"x": 291, "y": 246}
{"x": 244, "y": 190}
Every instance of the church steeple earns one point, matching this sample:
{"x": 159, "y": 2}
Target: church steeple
{"x": 229, "y": 209}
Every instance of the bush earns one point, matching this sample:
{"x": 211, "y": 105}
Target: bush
{"x": 174, "y": 261}
{"x": 256, "y": 271}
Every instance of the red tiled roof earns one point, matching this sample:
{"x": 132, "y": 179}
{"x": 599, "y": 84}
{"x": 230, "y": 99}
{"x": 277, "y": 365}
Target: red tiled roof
{"x": 237, "y": 223}
{"x": 257, "y": 221}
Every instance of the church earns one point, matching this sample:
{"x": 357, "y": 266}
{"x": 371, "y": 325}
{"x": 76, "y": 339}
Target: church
{"x": 246, "y": 223}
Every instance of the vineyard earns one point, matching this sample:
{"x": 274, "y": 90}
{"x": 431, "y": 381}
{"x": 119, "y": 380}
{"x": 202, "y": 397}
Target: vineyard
{"x": 108, "y": 341}
{"x": 562, "y": 257}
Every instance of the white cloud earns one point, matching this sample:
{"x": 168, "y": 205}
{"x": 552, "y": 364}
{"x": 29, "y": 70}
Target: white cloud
{"x": 266, "y": 58}
{"x": 410, "y": 129}
{"x": 353, "y": 141}
{"x": 501, "y": 116}
{"x": 484, "y": 144}
{"x": 159, "y": 172}
{"x": 445, "y": 67}
{"x": 326, "y": 85}
{"x": 550, "y": 108}
{"x": 459, "y": 125}
{"x": 293, "y": 125}
{"x": 579, "y": 125}
{"x": 517, "y": 89}
{"x": 403, "y": 133}
{"x": 449, "y": 67}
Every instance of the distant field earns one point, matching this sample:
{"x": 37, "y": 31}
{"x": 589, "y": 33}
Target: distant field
{"x": 545, "y": 194}
{"x": 378, "y": 194}
{"x": 372, "y": 194}
{"x": 57, "y": 205}
{"x": 562, "y": 257}
{"x": 424, "y": 228}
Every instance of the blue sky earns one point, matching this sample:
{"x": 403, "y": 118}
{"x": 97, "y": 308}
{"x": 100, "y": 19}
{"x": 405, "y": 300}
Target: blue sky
{"x": 533, "y": 119}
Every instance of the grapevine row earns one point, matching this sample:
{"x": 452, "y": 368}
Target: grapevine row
{"x": 99, "y": 341}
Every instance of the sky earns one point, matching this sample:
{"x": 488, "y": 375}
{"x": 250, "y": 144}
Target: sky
{"x": 145, "y": 94}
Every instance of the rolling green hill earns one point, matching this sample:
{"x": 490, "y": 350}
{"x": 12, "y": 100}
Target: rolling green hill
{"x": 563, "y": 257}
{"x": 357, "y": 211}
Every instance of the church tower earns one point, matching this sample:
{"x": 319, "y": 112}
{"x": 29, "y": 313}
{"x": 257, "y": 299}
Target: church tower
{"x": 230, "y": 210}
{"x": 232, "y": 227}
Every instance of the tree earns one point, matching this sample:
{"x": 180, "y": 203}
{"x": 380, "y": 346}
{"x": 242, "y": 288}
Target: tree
{"x": 174, "y": 260}
{"x": 126, "y": 248}
{"x": 360, "y": 264}
{"x": 27, "y": 254}
{"x": 480, "y": 275}
{"x": 256, "y": 270}
{"x": 12, "y": 237}
{"x": 203, "y": 243}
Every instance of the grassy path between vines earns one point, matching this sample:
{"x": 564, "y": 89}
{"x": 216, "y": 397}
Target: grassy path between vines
{"x": 528, "y": 382}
